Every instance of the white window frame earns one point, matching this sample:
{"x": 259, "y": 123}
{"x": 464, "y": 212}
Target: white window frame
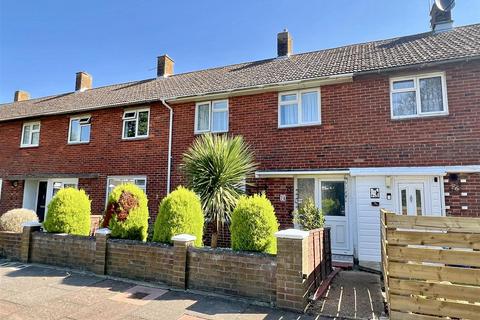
{"x": 210, "y": 116}
{"x": 299, "y": 93}
{"x": 31, "y": 124}
{"x": 79, "y": 118}
{"x": 1, "y": 184}
{"x": 123, "y": 178}
{"x": 136, "y": 118}
{"x": 416, "y": 81}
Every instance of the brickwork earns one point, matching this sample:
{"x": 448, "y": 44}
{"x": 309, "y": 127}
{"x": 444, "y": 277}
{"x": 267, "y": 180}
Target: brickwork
{"x": 100, "y": 253}
{"x": 179, "y": 270}
{"x": 10, "y": 244}
{"x": 26, "y": 245}
{"x": 139, "y": 260}
{"x": 76, "y": 252}
{"x": 319, "y": 258}
{"x": 462, "y": 194}
{"x": 242, "y": 274}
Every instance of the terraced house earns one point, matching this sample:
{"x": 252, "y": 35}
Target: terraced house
{"x": 392, "y": 123}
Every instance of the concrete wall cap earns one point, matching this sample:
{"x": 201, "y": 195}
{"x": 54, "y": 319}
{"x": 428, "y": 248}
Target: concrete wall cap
{"x": 292, "y": 234}
{"x": 184, "y": 238}
{"x": 103, "y": 231}
{"x": 31, "y": 224}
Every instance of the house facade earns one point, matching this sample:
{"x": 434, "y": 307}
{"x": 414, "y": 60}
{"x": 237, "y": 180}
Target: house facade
{"x": 387, "y": 124}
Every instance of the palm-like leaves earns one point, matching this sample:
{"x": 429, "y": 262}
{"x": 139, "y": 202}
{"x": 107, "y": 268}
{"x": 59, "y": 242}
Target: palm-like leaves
{"x": 215, "y": 167}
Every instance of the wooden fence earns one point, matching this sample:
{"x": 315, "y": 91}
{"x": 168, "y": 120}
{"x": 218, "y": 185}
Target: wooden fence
{"x": 431, "y": 266}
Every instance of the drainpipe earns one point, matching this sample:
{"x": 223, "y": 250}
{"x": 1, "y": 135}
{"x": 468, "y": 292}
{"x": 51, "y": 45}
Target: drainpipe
{"x": 170, "y": 132}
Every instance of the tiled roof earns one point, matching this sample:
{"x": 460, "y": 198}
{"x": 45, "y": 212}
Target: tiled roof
{"x": 461, "y": 42}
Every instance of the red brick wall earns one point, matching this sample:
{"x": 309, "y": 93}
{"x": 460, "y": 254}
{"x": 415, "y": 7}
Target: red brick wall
{"x": 455, "y": 187}
{"x": 356, "y": 131}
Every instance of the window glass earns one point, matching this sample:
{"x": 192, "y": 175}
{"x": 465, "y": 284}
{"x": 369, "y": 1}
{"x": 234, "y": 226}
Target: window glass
{"x": 418, "y": 196}
{"x": 288, "y": 97}
{"x": 405, "y": 84}
{"x": 35, "y": 138}
{"x": 26, "y": 135}
{"x": 404, "y": 103}
{"x": 143, "y": 123}
{"x": 305, "y": 189}
{"x": 74, "y": 130}
{"x": 203, "y": 114}
{"x": 333, "y": 198}
{"x": 85, "y": 133}
{"x": 403, "y": 194}
{"x": 113, "y": 182}
{"x": 431, "y": 97}
{"x": 289, "y": 114}
{"x": 220, "y": 121}
{"x": 310, "y": 107}
{"x": 130, "y": 128}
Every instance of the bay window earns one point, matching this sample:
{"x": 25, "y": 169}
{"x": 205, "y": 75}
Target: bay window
{"x": 418, "y": 96}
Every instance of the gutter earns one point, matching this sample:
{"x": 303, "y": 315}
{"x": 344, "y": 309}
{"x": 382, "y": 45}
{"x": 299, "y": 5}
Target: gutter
{"x": 170, "y": 135}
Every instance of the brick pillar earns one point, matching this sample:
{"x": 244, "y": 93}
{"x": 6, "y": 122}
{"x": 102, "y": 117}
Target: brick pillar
{"x": 101, "y": 238}
{"x": 181, "y": 243}
{"x": 28, "y": 228}
{"x": 292, "y": 269}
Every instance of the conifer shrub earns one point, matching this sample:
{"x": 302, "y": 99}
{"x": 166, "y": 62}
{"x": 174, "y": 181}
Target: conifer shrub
{"x": 127, "y": 213}
{"x": 254, "y": 225}
{"x": 12, "y": 220}
{"x": 180, "y": 212}
{"x": 69, "y": 212}
{"x": 308, "y": 216}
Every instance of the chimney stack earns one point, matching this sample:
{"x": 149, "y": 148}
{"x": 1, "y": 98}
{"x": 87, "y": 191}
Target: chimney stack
{"x": 83, "y": 81}
{"x": 440, "y": 20}
{"x": 284, "y": 44}
{"x": 21, "y": 95}
{"x": 164, "y": 66}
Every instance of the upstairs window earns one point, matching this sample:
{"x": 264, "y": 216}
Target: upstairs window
{"x": 79, "y": 130}
{"x": 30, "y": 134}
{"x": 299, "y": 108}
{"x": 418, "y": 96}
{"x": 136, "y": 123}
{"x": 211, "y": 116}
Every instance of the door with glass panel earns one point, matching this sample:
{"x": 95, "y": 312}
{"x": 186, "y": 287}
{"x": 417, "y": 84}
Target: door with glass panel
{"x": 330, "y": 196}
{"x": 411, "y": 199}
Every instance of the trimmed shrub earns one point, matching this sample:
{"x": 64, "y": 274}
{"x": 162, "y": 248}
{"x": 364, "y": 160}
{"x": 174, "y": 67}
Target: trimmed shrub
{"x": 254, "y": 224}
{"x": 12, "y": 220}
{"x": 69, "y": 212}
{"x": 308, "y": 215}
{"x": 127, "y": 213}
{"x": 179, "y": 212}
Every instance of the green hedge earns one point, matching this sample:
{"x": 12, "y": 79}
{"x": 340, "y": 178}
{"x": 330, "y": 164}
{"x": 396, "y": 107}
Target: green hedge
{"x": 69, "y": 212}
{"x": 254, "y": 224}
{"x": 127, "y": 213}
{"x": 179, "y": 212}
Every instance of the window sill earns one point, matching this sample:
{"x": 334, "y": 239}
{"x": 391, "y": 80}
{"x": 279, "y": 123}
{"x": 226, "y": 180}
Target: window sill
{"x": 77, "y": 143}
{"x": 423, "y": 116}
{"x": 135, "y": 139}
{"x": 212, "y": 132}
{"x": 29, "y": 147}
{"x": 316, "y": 124}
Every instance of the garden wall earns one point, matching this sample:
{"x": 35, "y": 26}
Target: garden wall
{"x": 243, "y": 274}
{"x": 286, "y": 279}
{"x": 10, "y": 244}
{"x": 76, "y": 252}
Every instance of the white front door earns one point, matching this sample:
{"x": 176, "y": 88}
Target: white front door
{"x": 411, "y": 199}
{"x": 329, "y": 195}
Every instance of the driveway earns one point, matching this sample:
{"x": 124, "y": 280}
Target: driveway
{"x": 39, "y": 292}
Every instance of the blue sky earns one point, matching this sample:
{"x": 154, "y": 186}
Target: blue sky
{"x": 44, "y": 43}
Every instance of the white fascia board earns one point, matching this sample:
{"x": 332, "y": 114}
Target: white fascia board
{"x": 293, "y": 173}
{"x": 409, "y": 171}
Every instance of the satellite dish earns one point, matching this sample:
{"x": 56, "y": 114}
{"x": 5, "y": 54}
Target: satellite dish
{"x": 445, "y": 5}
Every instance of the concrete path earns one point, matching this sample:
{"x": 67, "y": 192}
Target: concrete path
{"x": 352, "y": 295}
{"x": 39, "y": 292}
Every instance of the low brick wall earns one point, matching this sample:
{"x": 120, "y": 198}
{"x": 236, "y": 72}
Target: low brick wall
{"x": 76, "y": 252}
{"x": 10, "y": 244}
{"x": 139, "y": 260}
{"x": 235, "y": 273}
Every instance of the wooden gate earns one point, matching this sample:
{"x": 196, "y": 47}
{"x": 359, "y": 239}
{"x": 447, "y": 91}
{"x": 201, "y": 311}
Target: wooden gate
{"x": 431, "y": 266}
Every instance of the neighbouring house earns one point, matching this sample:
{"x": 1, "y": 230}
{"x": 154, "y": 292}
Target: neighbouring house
{"x": 392, "y": 123}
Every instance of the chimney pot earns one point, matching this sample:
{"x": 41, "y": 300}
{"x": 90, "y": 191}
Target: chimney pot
{"x": 21, "y": 95}
{"x": 284, "y": 44}
{"x": 440, "y": 20}
{"x": 164, "y": 66}
{"x": 83, "y": 81}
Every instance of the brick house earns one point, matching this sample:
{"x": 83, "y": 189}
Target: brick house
{"x": 392, "y": 123}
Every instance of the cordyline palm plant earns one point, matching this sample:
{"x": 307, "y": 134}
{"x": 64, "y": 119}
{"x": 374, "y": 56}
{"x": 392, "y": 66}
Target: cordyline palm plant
{"x": 215, "y": 167}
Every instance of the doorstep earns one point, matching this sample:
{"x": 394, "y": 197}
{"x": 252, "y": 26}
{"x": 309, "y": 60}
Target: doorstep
{"x": 342, "y": 261}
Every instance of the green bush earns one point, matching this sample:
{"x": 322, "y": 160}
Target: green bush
{"x": 254, "y": 224}
{"x": 179, "y": 212}
{"x": 69, "y": 212}
{"x": 127, "y": 213}
{"x": 12, "y": 220}
{"x": 308, "y": 216}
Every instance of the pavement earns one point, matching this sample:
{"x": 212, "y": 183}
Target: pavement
{"x": 29, "y": 291}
